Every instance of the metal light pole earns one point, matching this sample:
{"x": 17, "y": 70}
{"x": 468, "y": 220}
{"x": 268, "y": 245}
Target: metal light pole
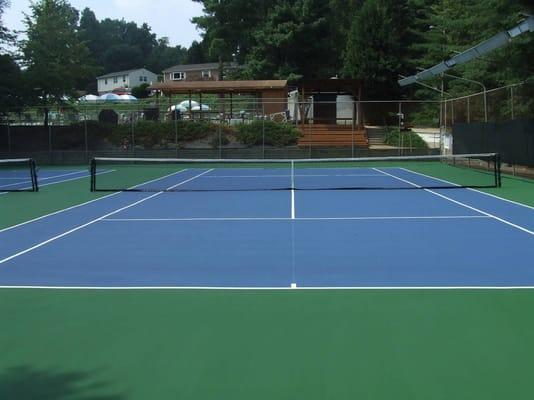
{"x": 477, "y": 83}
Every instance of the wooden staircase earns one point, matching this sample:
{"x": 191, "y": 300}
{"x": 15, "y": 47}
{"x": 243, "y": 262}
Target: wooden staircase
{"x": 332, "y": 135}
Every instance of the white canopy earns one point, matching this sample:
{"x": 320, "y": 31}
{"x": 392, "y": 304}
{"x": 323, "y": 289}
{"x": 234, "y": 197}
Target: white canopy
{"x": 201, "y": 107}
{"x": 128, "y": 97}
{"x": 178, "y": 107}
{"x": 89, "y": 97}
{"x": 186, "y": 103}
{"x": 110, "y": 97}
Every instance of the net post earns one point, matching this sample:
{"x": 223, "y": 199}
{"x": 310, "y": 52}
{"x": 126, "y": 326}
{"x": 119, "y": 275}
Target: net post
{"x": 33, "y": 172}
{"x": 498, "y": 170}
{"x": 93, "y": 175}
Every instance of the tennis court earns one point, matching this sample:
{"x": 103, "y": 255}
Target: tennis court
{"x": 232, "y": 227}
{"x": 199, "y": 269}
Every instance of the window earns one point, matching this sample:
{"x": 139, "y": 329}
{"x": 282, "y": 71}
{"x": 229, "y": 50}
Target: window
{"x": 206, "y": 73}
{"x": 145, "y": 79}
{"x": 178, "y": 76}
{"x": 106, "y": 81}
{"x": 124, "y": 78}
{"x": 115, "y": 80}
{"x": 142, "y": 79}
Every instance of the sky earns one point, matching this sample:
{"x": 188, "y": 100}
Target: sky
{"x": 171, "y": 18}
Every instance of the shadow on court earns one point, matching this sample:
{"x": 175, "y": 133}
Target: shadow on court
{"x": 26, "y": 383}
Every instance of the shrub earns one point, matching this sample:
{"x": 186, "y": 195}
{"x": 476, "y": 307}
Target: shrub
{"x": 408, "y": 137}
{"x": 150, "y": 133}
{"x": 276, "y": 134}
{"x": 108, "y": 117}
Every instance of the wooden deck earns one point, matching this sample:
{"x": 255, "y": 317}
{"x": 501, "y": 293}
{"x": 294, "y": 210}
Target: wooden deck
{"x": 330, "y": 135}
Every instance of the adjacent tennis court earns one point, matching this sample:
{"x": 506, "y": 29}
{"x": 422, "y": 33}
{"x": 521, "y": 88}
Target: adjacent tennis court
{"x": 329, "y": 277}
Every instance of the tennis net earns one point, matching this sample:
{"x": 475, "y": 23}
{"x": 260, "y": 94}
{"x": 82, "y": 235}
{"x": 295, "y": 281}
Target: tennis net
{"x": 422, "y": 172}
{"x": 18, "y": 175}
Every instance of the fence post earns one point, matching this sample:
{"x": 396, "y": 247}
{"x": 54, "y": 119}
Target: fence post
{"x": 263, "y": 128}
{"x": 452, "y": 112}
{"x": 8, "y": 135}
{"x": 220, "y": 139}
{"x": 175, "y": 116}
{"x": 353, "y": 127}
{"x": 468, "y": 110}
{"x": 86, "y": 134}
{"x": 132, "y": 127}
{"x": 512, "y": 101}
{"x": 50, "y": 139}
{"x": 400, "y": 129}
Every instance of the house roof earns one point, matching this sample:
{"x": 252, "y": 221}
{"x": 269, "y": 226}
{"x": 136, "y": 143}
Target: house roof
{"x": 198, "y": 67}
{"x": 219, "y": 86}
{"x": 128, "y": 71}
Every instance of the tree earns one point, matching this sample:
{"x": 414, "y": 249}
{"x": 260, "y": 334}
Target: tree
{"x": 13, "y": 91}
{"x": 376, "y": 45}
{"x": 5, "y": 35}
{"x": 197, "y": 54}
{"x": 123, "y": 57}
{"x": 163, "y": 56}
{"x": 55, "y": 58}
{"x": 141, "y": 91}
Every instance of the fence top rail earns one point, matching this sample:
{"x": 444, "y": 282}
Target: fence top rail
{"x": 489, "y": 91}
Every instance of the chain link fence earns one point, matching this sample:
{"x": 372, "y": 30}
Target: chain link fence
{"x": 247, "y": 127}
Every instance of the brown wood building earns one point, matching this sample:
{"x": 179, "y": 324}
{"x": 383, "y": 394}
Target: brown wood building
{"x": 272, "y": 94}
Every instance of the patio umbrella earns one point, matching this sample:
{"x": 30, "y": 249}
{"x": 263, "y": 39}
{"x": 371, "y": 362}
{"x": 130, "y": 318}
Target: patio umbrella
{"x": 178, "y": 107}
{"x": 89, "y": 97}
{"x": 201, "y": 107}
{"x": 110, "y": 97}
{"x": 185, "y": 104}
{"x": 128, "y": 97}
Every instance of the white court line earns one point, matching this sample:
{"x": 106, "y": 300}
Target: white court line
{"x": 460, "y": 203}
{"x": 288, "y": 176}
{"x": 84, "y": 204}
{"x": 43, "y": 179}
{"x": 20, "y": 253}
{"x": 471, "y": 189}
{"x": 260, "y": 288}
{"x": 296, "y": 219}
{"x": 61, "y": 181}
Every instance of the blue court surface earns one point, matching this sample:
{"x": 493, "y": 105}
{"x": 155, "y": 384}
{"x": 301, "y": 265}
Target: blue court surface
{"x": 439, "y": 238}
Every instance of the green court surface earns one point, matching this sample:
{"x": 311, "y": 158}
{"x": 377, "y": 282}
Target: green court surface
{"x": 266, "y": 345}
{"x": 260, "y": 344}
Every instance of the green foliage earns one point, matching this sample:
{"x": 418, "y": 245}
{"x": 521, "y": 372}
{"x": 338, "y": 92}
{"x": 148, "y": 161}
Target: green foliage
{"x": 53, "y": 54}
{"x": 276, "y": 134}
{"x": 13, "y": 93}
{"x": 375, "y": 44}
{"x": 141, "y": 91}
{"x": 151, "y": 133}
{"x": 405, "y": 139}
{"x": 5, "y": 35}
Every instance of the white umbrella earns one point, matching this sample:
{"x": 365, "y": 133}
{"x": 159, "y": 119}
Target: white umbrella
{"x": 178, "y": 107}
{"x": 128, "y": 97}
{"x": 185, "y": 104}
{"x": 89, "y": 97}
{"x": 110, "y": 97}
{"x": 200, "y": 107}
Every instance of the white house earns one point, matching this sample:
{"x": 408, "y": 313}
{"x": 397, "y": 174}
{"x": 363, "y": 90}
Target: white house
{"x": 125, "y": 80}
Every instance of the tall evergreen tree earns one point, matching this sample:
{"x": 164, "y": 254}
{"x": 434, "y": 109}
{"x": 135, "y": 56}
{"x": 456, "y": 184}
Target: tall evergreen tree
{"x": 376, "y": 45}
